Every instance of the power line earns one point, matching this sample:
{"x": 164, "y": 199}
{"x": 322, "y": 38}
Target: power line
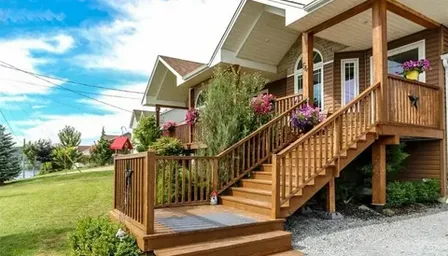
{"x": 43, "y": 79}
{"x": 71, "y": 81}
{"x": 91, "y": 93}
{"x": 8, "y": 124}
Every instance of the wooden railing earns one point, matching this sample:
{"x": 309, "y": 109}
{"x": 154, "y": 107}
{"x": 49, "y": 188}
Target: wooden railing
{"x": 423, "y": 110}
{"x": 182, "y": 132}
{"x": 283, "y": 104}
{"x": 242, "y": 157}
{"x": 182, "y": 180}
{"x": 303, "y": 160}
{"x": 134, "y": 190}
{"x": 144, "y": 181}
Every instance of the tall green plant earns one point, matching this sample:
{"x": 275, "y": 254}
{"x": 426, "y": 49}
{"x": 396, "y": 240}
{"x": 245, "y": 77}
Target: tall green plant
{"x": 69, "y": 136}
{"x": 101, "y": 154}
{"x": 9, "y": 162}
{"x": 146, "y": 133}
{"x": 227, "y": 116}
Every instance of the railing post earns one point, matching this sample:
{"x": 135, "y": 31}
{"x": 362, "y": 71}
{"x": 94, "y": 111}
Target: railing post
{"x": 215, "y": 174}
{"x": 148, "y": 193}
{"x": 337, "y": 135}
{"x": 275, "y": 207}
{"x": 115, "y": 183}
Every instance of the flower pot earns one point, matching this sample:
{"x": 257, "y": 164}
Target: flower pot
{"x": 412, "y": 75}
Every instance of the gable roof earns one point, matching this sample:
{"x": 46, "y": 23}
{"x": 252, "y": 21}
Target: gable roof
{"x": 182, "y": 67}
{"x": 121, "y": 143}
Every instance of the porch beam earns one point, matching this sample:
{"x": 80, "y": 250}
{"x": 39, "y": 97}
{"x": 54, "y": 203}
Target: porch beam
{"x": 379, "y": 51}
{"x": 331, "y": 196}
{"x": 157, "y": 115}
{"x": 307, "y": 59}
{"x": 379, "y": 174}
{"x": 341, "y": 17}
{"x": 410, "y": 14}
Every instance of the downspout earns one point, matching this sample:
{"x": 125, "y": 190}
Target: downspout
{"x": 445, "y": 65}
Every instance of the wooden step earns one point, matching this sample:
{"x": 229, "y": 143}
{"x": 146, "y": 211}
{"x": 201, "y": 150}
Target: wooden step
{"x": 250, "y": 205}
{"x": 257, "y": 184}
{"x": 256, "y": 244}
{"x": 288, "y": 253}
{"x": 254, "y": 194}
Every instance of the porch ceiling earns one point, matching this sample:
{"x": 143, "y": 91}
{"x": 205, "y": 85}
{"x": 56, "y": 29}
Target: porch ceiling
{"x": 356, "y": 32}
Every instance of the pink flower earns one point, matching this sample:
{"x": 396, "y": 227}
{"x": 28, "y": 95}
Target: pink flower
{"x": 263, "y": 104}
{"x": 192, "y": 116}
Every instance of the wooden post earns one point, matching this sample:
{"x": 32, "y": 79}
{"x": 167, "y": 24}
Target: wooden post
{"x": 379, "y": 50}
{"x": 443, "y": 176}
{"x": 307, "y": 59}
{"x": 215, "y": 174}
{"x": 191, "y": 106}
{"x": 331, "y": 196}
{"x": 275, "y": 208}
{"x": 158, "y": 115}
{"x": 379, "y": 174}
{"x": 148, "y": 193}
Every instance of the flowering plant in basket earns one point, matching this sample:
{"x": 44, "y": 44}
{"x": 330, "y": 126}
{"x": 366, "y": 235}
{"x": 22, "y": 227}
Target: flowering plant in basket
{"x": 412, "y": 68}
{"x": 192, "y": 116}
{"x": 306, "y": 118}
{"x": 168, "y": 127}
{"x": 263, "y": 104}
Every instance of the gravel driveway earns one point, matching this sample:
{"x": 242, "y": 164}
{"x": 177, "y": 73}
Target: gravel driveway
{"x": 424, "y": 233}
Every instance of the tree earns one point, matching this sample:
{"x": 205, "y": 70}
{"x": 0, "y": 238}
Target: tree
{"x": 30, "y": 152}
{"x": 101, "y": 153}
{"x": 69, "y": 137}
{"x": 44, "y": 150}
{"x": 146, "y": 133}
{"x": 64, "y": 157}
{"x": 9, "y": 163}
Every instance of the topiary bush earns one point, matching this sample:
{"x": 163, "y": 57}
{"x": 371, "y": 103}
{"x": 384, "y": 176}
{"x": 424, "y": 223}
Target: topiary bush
{"x": 405, "y": 193}
{"x": 167, "y": 146}
{"x": 96, "y": 236}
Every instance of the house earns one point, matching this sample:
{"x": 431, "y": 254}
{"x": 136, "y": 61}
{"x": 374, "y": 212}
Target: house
{"x": 84, "y": 150}
{"x": 176, "y": 115}
{"x": 342, "y": 55}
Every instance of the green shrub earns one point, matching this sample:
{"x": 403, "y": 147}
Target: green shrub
{"x": 96, "y": 236}
{"x": 167, "y": 146}
{"x": 49, "y": 167}
{"x": 146, "y": 132}
{"x": 404, "y": 193}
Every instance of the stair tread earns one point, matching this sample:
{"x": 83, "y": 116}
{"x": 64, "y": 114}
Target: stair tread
{"x": 238, "y": 199}
{"x": 221, "y": 243}
{"x": 257, "y": 181}
{"x": 288, "y": 253}
{"x": 253, "y": 190}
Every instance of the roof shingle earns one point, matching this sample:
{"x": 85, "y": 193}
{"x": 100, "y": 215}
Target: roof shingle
{"x": 183, "y": 67}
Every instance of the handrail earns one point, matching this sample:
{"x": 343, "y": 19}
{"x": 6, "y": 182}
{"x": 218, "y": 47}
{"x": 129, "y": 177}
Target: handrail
{"x": 309, "y": 155}
{"x": 435, "y": 87}
{"x": 329, "y": 119}
{"x": 284, "y": 103}
{"x": 289, "y": 96}
{"x": 237, "y": 160}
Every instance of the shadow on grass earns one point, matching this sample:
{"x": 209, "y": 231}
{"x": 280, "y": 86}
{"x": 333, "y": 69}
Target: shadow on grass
{"x": 14, "y": 195}
{"x": 40, "y": 242}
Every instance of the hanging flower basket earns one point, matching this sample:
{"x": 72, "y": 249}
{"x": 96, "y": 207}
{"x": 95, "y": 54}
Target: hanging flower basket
{"x": 192, "y": 116}
{"x": 263, "y": 104}
{"x": 306, "y": 118}
{"x": 413, "y": 68}
{"x": 169, "y": 128}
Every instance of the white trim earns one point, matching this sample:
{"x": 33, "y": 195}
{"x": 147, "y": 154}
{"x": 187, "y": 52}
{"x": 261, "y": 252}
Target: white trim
{"x": 243, "y": 42}
{"x": 420, "y": 45}
{"x": 231, "y": 58}
{"x": 316, "y": 67}
{"x": 325, "y": 63}
{"x": 197, "y": 97}
{"x": 355, "y": 61}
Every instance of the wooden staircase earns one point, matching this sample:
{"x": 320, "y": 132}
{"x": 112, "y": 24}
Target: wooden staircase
{"x": 255, "y": 192}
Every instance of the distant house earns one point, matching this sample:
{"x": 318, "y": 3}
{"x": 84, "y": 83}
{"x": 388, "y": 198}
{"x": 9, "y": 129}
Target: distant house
{"x": 137, "y": 115}
{"x": 176, "y": 115}
{"x": 84, "y": 150}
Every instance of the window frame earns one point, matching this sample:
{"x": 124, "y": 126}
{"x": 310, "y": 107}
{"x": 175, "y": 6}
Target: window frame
{"x": 355, "y": 61}
{"x": 316, "y": 66}
{"x": 419, "y": 45}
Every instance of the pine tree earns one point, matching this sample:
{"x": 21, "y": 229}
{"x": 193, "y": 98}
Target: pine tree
{"x": 101, "y": 152}
{"x": 9, "y": 163}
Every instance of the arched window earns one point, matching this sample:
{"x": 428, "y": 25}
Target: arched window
{"x": 318, "y": 77}
{"x": 199, "y": 102}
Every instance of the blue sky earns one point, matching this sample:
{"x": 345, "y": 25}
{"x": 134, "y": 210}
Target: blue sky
{"x": 110, "y": 43}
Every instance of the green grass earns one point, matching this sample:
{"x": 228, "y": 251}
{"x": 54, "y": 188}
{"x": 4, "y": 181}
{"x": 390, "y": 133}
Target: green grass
{"x": 37, "y": 214}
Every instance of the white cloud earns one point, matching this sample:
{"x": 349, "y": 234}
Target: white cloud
{"x": 18, "y": 52}
{"x": 188, "y": 29}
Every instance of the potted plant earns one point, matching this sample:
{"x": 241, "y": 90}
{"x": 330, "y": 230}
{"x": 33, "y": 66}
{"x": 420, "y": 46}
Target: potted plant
{"x": 263, "y": 106}
{"x": 169, "y": 128}
{"x": 192, "y": 116}
{"x": 306, "y": 118}
{"x": 413, "y": 68}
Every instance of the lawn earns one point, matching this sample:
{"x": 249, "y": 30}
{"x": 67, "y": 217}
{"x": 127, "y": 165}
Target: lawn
{"x": 37, "y": 214}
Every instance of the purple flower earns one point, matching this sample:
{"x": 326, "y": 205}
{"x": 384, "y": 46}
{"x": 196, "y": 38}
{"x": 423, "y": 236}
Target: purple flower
{"x": 416, "y": 65}
{"x": 306, "y": 118}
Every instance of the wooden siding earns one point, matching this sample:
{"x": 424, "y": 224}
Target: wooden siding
{"x": 423, "y": 162}
{"x": 277, "y": 88}
{"x": 290, "y": 85}
{"x": 445, "y": 39}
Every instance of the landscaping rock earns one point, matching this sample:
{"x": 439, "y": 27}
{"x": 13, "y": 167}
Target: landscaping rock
{"x": 388, "y": 212}
{"x": 306, "y": 210}
{"x": 364, "y": 208}
{"x": 443, "y": 200}
{"x": 332, "y": 216}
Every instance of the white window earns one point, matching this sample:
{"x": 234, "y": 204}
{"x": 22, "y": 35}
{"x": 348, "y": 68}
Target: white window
{"x": 349, "y": 79}
{"x": 199, "y": 102}
{"x": 397, "y": 56}
{"x": 318, "y": 78}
